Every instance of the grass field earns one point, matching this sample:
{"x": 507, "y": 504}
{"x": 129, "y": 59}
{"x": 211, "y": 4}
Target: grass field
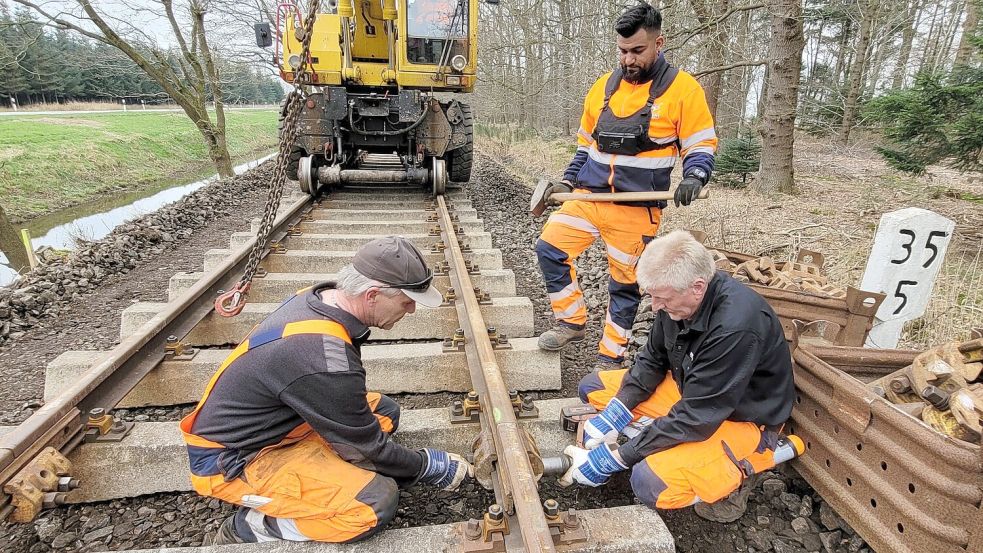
{"x": 50, "y": 162}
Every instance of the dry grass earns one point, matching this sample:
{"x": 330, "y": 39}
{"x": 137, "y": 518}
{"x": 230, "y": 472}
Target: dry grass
{"x": 842, "y": 195}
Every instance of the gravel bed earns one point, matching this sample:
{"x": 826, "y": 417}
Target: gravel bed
{"x": 784, "y": 515}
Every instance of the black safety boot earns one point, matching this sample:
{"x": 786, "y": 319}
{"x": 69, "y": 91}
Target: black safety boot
{"x": 559, "y": 336}
{"x": 226, "y": 534}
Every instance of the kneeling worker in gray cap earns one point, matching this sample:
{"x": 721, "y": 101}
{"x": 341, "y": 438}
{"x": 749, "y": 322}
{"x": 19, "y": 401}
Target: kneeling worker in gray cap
{"x": 286, "y": 428}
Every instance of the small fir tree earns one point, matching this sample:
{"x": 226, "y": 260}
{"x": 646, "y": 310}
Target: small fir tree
{"x": 736, "y": 159}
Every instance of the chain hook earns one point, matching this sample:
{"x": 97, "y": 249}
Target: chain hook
{"x": 232, "y": 302}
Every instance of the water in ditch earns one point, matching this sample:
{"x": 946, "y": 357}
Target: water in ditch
{"x": 94, "y": 220}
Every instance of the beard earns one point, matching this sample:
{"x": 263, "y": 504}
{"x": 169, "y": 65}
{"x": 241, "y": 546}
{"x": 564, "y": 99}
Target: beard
{"x": 634, "y": 74}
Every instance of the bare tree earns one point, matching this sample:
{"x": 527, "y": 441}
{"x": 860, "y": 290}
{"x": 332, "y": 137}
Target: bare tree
{"x": 778, "y": 124}
{"x": 189, "y": 73}
{"x": 856, "y": 74}
{"x": 970, "y": 26}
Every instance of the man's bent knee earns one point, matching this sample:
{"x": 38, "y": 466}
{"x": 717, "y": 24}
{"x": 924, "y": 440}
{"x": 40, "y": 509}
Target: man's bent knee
{"x": 646, "y": 484}
{"x": 382, "y": 495}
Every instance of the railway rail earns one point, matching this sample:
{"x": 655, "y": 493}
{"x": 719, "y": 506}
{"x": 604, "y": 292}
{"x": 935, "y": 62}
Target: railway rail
{"x": 479, "y": 342}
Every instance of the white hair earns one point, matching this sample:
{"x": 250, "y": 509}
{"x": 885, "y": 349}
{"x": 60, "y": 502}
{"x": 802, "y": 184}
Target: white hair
{"x": 353, "y": 283}
{"x": 675, "y": 260}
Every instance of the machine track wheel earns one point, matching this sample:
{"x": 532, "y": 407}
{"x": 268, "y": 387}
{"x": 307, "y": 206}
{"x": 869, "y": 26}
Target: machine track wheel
{"x": 438, "y": 177}
{"x": 459, "y": 160}
{"x": 306, "y": 175}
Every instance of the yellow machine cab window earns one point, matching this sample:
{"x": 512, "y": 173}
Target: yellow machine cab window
{"x": 430, "y": 24}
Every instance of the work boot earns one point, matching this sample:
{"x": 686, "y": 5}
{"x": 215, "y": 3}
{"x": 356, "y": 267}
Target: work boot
{"x": 559, "y": 336}
{"x": 226, "y": 534}
{"x": 608, "y": 364}
{"x": 729, "y": 508}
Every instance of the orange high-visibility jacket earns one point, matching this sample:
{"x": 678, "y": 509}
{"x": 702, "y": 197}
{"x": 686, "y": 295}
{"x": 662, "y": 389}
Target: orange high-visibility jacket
{"x": 680, "y": 118}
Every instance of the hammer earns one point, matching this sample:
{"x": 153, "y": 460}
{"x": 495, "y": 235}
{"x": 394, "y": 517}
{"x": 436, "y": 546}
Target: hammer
{"x": 537, "y": 203}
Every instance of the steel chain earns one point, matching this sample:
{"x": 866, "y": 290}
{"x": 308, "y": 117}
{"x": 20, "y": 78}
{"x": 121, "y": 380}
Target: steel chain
{"x": 288, "y": 137}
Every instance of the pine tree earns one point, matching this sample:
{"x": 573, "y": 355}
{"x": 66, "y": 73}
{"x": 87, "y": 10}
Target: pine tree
{"x": 939, "y": 119}
{"x": 737, "y": 158}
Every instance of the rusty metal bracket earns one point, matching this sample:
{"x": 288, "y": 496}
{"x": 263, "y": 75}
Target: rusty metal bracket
{"x": 485, "y": 457}
{"x": 438, "y": 247}
{"x": 486, "y": 535}
{"x": 101, "y": 427}
{"x": 499, "y": 341}
{"x": 260, "y": 273}
{"x": 38, "y": 484}
{"x": 294, "y": 230}
{"x": 277, "y": 247}
{"x": 175, "y": 350}
{"x": 455, "y": 342}
{"x": 450, "y": 296}
{"x": 472, "y": 267}
{"x": 523, "y": 406}
{"x": 565, "y": 526}
{"x": 484, "y": 298}
{"x": 466, "y": 410}
{"x": 809, "y": 257}
{"x": 441, "y": 268}
{"x": 434, "y": 230}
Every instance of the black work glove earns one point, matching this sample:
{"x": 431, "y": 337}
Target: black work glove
{"x": 687, "y": 191}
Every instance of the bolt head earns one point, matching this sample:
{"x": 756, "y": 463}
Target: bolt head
{"x": 172, "y": 338}
{"x": 473, "y": 395}
{"x": 551, "y": 507}
{"x": 457, "y": 408}
{"x": 97, "y": 413}
{"x": 495, "y": 512}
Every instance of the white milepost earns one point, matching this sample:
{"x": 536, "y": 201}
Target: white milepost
{"x": 13, "y": 103}
{"x": 908, "y": 250}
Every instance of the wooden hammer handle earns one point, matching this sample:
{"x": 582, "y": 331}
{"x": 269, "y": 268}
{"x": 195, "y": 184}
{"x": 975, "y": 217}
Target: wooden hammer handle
{"x": 619, "y": 196}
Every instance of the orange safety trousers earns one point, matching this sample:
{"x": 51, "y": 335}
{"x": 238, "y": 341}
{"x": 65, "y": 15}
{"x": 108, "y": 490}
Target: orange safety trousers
{"x": 689, "y": 472}
{"x": 569, "y": 231}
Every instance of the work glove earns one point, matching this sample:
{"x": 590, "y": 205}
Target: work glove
{"x": 561, "y": 187}
{"x": 687, "y": 191}
{"x": 607, "y": 425}
{"x": 591, "y": 467}
{"x": 444, "y": 470}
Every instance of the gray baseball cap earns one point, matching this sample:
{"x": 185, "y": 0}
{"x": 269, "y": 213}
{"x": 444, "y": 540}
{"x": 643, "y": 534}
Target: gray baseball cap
{"x": 397, "y": 263}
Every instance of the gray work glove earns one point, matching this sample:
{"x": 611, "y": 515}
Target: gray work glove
{"x": 561, "y": 187}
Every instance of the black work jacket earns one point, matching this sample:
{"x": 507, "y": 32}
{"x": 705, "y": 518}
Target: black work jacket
{"x": 730, "y": 361}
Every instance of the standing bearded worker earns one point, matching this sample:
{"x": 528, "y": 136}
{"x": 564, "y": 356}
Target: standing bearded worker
{"x": 638, "y": 121}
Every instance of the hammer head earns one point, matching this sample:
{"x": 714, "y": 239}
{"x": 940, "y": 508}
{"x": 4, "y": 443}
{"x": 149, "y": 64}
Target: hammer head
{"x": 537, "y": 203}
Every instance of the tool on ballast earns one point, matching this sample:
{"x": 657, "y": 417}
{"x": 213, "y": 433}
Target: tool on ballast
{"x": 545, "y": 194}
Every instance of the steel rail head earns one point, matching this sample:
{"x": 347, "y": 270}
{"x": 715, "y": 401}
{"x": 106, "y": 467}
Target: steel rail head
{"x": 512, "y": 458}
{"x": 119, "y": 370}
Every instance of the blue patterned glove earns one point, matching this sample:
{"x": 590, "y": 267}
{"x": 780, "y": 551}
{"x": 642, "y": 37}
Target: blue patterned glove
{"x": 591, "y": 467}
{"x": 605, "y": 427}
{"x": 444, "y": 470}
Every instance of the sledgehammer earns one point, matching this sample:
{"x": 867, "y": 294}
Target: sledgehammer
{"x": 538, "y": 203}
